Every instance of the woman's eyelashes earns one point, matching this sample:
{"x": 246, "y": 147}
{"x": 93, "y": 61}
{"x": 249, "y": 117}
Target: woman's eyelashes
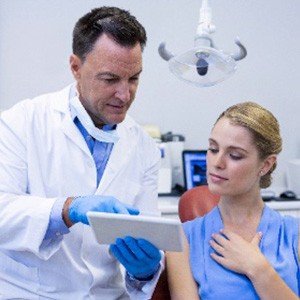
{"x": 232, "y": 155}
{"x": 213, "y": 150}
{"x": 235, "y": 156}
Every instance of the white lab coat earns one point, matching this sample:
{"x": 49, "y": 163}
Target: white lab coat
{"x": 44, "y": 156}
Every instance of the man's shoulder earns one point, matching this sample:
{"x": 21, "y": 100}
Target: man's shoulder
{"x": 54, "y": 99}
{"x": 39, "y": 109}
{"x": 57, "y": 99}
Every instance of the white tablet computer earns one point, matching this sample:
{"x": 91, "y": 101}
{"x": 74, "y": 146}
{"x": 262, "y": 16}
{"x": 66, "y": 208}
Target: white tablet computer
{"x": 164, "y": 233}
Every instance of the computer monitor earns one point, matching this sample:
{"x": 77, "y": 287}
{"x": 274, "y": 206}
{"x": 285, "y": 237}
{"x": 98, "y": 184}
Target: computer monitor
{"x": 194, "y": 168}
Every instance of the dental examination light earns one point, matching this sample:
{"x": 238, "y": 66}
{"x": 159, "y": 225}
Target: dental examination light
{"x": 203, "y": 65}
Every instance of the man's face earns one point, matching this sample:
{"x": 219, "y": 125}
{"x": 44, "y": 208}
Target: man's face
{"x": 107, "y": 80}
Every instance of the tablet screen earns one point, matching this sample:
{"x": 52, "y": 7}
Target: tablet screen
{"x": 164, "y": 233}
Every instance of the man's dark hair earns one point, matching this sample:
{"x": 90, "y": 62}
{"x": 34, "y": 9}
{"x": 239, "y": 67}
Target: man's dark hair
{"x": 119, "y": 24}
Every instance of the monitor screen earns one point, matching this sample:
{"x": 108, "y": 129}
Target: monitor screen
{"x": 194, "y": 168}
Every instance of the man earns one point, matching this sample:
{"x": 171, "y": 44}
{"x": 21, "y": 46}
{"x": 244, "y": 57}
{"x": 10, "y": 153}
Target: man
{"x": 67, "y": 153}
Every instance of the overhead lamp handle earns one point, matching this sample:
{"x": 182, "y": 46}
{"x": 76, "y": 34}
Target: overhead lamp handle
{"x": 242, "y": 53}
{"x": 163, "y": 52}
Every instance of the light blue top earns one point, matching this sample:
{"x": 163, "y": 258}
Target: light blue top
{"x": 100, "y": 151}
{"x": 279, "y": 244}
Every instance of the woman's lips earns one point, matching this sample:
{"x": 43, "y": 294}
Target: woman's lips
{"x": 216, "y": 178}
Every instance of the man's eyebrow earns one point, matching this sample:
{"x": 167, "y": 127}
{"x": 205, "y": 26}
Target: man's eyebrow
{"x": 137, "y": 74}
{"x": 112, "y": 75}
{"x": 108, "y": 74}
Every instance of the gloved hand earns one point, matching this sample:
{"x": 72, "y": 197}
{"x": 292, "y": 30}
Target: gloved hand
{"x": 139, "y": 257}
{"x": 81, "y": 205}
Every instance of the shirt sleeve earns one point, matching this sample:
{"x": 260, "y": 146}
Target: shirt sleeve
{"x": 57, "y": 226}
{"x": 143, "y": 290}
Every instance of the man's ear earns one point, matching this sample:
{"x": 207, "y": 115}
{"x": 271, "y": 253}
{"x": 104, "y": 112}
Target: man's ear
{"x": 75, "y": 66}
{"x": 268, "y": 164}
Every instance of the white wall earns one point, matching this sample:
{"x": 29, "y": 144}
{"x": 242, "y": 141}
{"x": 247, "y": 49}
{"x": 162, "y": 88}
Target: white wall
{"x": 35, "y": 44}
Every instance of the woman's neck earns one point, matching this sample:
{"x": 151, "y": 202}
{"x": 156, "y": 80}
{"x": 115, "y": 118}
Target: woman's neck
{"x": 241, "y": 214}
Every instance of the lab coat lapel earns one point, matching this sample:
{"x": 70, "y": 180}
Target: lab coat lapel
{"x": 120, "y": 154}
{"x": 72, "y": 132}
{"x": 61, "y": 104}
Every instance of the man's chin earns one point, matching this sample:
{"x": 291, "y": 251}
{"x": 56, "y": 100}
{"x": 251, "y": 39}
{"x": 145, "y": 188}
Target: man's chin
{"x": 116, "y": 119}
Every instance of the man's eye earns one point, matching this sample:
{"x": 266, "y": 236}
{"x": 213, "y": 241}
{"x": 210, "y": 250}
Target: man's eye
{"x": 110, "y": 80}
{"x": 134, "y": 79}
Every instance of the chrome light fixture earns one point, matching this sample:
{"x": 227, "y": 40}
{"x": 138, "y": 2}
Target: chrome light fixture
{"x": 203, "y": 65}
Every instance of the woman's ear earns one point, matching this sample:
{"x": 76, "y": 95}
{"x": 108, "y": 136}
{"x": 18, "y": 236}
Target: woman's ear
{"x": 268, "y": 164}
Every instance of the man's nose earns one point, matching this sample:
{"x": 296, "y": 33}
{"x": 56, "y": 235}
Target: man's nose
{"x": 123, "y": 91}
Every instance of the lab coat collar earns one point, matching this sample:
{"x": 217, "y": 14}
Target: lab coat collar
{"x": 61, "y": 101}
{"x": 61, "y": 104}
{"x": 127, "y": 131}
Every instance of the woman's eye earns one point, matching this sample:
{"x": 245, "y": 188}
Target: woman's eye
{"x": 213, "y": 150}
{"x": 235, "y": 156}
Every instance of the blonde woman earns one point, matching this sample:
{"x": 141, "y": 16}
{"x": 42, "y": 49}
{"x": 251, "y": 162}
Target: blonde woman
{"x": 242, "y": 249}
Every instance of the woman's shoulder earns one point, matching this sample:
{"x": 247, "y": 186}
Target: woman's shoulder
{"x": 284, "y": 227}
{"x": 200, "y": 222}
{"x": 285, "y": 220}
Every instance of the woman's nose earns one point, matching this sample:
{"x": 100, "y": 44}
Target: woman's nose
{"x": 219, "y": 161}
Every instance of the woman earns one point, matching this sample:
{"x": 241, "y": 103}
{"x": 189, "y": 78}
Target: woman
{"x": 242, "y": 249}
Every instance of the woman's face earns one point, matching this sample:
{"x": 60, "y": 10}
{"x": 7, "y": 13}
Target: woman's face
{"x": 233, "y": 164}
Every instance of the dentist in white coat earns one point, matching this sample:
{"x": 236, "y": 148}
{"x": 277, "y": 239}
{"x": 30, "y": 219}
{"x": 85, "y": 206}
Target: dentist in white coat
{"x": 76, "y": 150}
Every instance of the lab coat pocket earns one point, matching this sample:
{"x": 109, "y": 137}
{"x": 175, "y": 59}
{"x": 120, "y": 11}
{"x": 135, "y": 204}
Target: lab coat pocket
{"x": 16, "y": 277}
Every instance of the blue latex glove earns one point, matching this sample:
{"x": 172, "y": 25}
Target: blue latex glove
{"x": 81, "y": 205}
{"x": 139, "y": 257}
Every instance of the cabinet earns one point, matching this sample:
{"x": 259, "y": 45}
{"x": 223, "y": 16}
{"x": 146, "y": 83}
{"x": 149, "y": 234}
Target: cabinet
{"x": 291, "y": 208}
{"x": 169, "y": 207}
